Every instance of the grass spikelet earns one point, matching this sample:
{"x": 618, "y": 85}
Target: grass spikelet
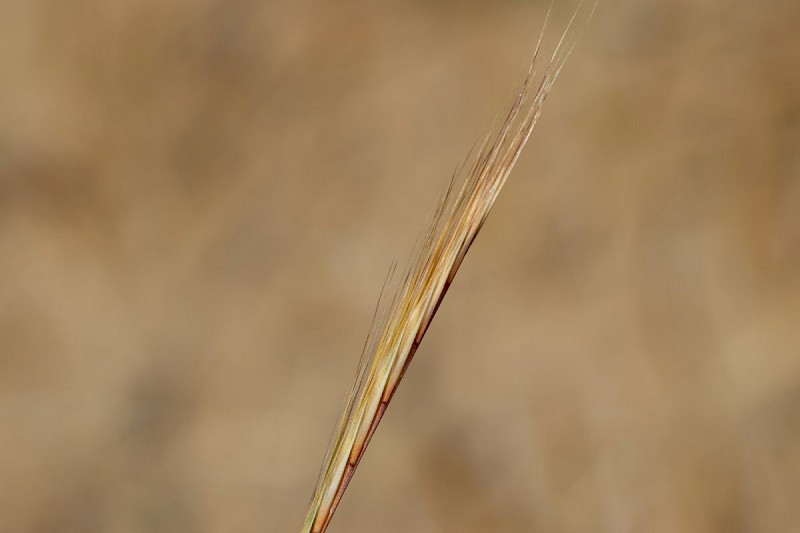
{"x": 401, "y": 320}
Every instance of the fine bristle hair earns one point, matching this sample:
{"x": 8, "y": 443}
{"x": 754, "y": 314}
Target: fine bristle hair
{"x": 409, "y": 300}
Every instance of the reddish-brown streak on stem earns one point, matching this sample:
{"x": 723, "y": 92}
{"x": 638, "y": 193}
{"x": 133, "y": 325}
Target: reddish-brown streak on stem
{"x": 418, "y": 340}
{"x": 351, "y": 466}
{"x": 350, "y": 469}
{"x": 346, "y": 477}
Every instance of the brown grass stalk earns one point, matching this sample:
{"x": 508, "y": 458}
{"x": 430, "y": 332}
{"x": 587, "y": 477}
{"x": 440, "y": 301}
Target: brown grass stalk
{"x": 401, "y": 321}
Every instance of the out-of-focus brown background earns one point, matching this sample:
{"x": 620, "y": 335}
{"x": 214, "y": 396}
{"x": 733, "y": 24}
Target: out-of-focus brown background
{"x": 199, "y": 201}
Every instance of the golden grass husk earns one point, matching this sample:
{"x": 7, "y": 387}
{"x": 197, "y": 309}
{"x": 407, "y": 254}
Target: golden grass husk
{"x": 401, "y": 321}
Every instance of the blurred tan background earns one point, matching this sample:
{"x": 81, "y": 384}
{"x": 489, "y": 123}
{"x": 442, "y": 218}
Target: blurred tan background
{"x": 199, "y": 201}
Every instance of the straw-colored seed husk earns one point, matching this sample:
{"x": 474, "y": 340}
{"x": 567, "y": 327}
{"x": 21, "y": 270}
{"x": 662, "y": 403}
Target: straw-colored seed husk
{"x": 401, "y": 321}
